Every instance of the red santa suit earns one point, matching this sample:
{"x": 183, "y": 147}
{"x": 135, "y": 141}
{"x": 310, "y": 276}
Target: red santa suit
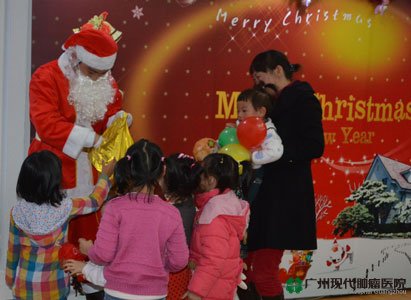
{"x": 54, "y": 118}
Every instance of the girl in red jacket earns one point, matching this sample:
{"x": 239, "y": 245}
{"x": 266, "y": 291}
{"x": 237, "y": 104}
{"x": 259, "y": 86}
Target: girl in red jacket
{"x": 219, "y": 227}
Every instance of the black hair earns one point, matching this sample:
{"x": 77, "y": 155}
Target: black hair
{"x": 270, "y": 59}
{"x": 258, "y": 98}
{"x": 182, "y": 177}
{"x": 143, "y": 167}
{"x": 224, "y": 169}
{"x": 122, "y": 176}
{"x": 39, "y": 180}
{"x": 122, "y": 171}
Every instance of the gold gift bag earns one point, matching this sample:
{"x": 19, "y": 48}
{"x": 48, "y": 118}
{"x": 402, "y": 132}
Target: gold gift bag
{"x": 116, "y": 141}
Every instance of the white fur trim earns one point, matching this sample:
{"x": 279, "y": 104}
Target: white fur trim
{"x": 79, "y": 137}
{"x": 94, "y": 61}
{"x": 84, "y": 177}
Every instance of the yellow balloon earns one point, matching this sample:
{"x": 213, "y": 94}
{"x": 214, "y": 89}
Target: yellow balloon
{"x": 236, "y": 151}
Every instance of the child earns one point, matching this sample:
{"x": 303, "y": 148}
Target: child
{"x": 219, "y": 226}
{"x": 182, "y": 178}
{"x": 38, "y": 225}
{"x": 257, "y": 103}
{"x": 122, "y": 183}
{"x": 180, "y": 182}
{"x": 141, "y": 237}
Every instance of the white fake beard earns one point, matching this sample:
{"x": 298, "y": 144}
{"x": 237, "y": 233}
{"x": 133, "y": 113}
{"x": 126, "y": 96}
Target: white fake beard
{"x": 91, "y": 97}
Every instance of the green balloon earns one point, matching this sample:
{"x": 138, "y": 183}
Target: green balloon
{"x": 228, "y": 136}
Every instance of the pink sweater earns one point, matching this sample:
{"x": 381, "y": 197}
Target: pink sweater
{"x": 140, "y": 242}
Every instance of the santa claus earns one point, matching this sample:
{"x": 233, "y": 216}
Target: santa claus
{"x": 72, "y": 101}
{"x": 339, "y": 254}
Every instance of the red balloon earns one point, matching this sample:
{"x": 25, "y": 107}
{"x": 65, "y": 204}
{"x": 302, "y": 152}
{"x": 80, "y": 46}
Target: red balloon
{"x": 69, "y": 251}
{"x": 251, "y": 132}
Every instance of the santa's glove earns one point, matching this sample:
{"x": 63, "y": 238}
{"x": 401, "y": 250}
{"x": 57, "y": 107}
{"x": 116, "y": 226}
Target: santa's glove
{"x": 120, "y": 114}
{"x": 98, "y": 142}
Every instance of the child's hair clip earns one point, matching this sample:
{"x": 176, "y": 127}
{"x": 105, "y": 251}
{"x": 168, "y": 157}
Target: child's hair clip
{"x": 221, "y": 160}
{"x": 128, "y": 157}
{"x": 162, "y": 159}
{"x": 183, "y": 155}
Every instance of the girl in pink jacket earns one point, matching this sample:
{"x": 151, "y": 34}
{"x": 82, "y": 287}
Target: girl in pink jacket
{"x": 141, "y": 237}
{"x": 219, "y": 226}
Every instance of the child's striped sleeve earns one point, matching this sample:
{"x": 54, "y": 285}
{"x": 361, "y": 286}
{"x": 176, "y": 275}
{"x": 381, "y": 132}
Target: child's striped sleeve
{"x": 86, "y": 205}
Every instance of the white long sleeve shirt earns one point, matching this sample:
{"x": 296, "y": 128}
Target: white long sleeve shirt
{"x": 94, "y": 273}
{"x": 270, "y": 150}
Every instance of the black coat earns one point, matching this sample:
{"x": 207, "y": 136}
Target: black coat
{"x": 283, "y": 213}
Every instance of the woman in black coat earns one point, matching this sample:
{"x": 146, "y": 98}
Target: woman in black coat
{"x": 283, "y": 213}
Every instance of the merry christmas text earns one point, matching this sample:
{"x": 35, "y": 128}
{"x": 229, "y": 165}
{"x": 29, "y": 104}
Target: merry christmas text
{"x": 340, "y": 109}
{"x": 292, "y": 17}
{"x": 350, "y": 109}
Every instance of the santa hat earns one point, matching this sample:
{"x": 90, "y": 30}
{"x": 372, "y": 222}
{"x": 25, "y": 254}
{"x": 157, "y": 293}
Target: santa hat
{"x": 95, "y": 48}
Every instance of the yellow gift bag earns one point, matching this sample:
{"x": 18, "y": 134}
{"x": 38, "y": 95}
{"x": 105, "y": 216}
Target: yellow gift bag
{"x": 116, "y": 141}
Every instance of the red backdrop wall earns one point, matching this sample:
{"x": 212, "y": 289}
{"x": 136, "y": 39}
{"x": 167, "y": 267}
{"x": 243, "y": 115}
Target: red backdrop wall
{"x": 181, "y": 61}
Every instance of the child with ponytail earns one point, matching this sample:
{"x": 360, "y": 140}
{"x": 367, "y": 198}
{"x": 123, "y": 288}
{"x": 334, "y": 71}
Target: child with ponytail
{"x": 141, "y": 237}
{"x": 219, "y": 226}
{"x": 182, "y": 179}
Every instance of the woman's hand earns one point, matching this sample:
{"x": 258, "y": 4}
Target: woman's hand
{"x": 85, "y": 245}
{"x": 75, "y": 267}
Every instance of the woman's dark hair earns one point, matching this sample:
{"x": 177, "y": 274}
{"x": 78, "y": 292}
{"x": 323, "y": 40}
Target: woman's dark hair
{"x": 40, "y": 179}
{"x": 182, "y": 177}
{"x": 258, "y": 97}
{"x": 270, "y": 59}
{"x": 141, "y": 168}
{"x": 223, "y": 168}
